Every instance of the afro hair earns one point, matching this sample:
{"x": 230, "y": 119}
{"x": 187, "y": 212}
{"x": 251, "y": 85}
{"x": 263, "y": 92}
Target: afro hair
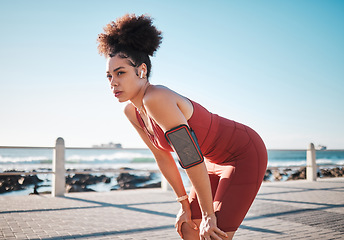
{"x": 130, "y": 33}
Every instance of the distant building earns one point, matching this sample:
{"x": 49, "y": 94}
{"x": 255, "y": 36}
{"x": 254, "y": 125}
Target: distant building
{"x": 320, "y": 147}
{"x": 108, "y": 145}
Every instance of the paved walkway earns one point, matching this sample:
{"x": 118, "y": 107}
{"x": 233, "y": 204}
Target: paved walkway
{"x": 282, "y": 210}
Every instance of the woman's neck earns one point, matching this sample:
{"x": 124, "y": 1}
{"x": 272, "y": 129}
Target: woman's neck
{"x": 138, "y": 101}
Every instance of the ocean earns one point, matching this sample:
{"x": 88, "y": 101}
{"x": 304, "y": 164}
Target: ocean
{"x": 28, "y": 159}
{"x": 39, "y": 159}
{"x": 33, "y": 158}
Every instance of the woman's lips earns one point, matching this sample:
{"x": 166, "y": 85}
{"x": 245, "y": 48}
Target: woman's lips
{"x": 117, "y": 93}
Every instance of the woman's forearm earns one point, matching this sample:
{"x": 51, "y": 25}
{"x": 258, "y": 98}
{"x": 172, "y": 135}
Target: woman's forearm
{"x": 199, "y": 178}
{"x": 171, "y": 172}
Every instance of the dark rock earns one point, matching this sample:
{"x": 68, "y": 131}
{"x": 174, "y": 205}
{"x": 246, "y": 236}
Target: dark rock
{"x": 267, "y": 175}
{"x": 10, "y": 183}
{"x": 302, "y": 173}
{"x": 298, "y": 174}
{"x": 277, "y": 175}
{"x": 337, "y": 172}
{"x": 129, "y": 181}
{"x": 35, "y": 192}
{"x": 152, "y": 185}
{"x": 114, "y": 188}
{"x": 13, "y": 170}
{"x": 79, "y": 182}
{"x": 78, "y": 188}
{"x": 31, "y": 179}
{"x": 87, "y": 179}
{"x": 106, "y": 179}
{"x": 126, "y": 168}
{"x": 333, "y": 172}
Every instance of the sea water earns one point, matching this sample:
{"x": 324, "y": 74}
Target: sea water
{"x": 29, "y": 159}
{"x": 94, "y": 158}
{"x": 84, "y": 158}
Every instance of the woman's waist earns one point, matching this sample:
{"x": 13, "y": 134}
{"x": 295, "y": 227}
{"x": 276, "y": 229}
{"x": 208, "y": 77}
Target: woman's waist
{"x": 228, "y": 139}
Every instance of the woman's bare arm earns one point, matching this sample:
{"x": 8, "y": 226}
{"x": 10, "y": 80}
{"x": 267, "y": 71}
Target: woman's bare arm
{"x": 164, "y": 159}
{"x": 162, "y": 106}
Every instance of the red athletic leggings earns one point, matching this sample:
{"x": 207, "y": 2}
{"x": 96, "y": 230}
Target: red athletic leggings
{"x": 235, "y": 183}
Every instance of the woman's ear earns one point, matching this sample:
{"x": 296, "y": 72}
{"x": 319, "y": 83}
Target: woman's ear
{"x": 143, "y": 70}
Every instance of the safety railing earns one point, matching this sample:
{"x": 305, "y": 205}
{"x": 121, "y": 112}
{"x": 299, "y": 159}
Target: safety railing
{"x": 59, "y": 172}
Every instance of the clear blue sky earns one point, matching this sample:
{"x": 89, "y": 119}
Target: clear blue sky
{"x": 277, "y": 66}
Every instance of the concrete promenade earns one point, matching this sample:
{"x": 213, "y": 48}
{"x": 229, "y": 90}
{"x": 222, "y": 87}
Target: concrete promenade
{"x": 282, "y": 210}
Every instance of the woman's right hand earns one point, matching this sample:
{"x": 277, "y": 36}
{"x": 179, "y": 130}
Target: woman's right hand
{"x": 184, "y": 216}
{"x": 209, "y": 229}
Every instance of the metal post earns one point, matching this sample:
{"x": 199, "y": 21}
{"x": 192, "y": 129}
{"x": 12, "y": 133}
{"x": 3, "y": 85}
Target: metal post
{"x": 59, "y": 181}
{"x": 311, "y": 171}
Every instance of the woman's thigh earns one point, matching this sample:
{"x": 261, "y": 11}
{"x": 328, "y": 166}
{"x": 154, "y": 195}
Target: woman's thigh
{"x": 234, "y": 187}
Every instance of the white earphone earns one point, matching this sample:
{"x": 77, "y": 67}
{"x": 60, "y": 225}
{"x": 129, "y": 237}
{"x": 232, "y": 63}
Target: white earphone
{"x": 141, "y": 76}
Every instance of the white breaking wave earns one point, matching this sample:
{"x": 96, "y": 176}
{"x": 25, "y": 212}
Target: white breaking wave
{"x": 108, "y": 157}
{"x": 84, "y": 157}
{"x": 325, "y": 161}
{"x": 286, "y": 163}
{"x": 341, "y": 162}
{"x": 23, "y": 159}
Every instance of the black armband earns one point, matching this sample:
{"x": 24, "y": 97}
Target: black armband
{"x": 184, "y": 142}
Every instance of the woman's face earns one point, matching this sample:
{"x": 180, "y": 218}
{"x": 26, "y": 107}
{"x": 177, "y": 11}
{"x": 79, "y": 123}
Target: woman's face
{"x": 125, "y": 84}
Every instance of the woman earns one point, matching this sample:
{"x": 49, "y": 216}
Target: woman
{"x": 226, "y": 182}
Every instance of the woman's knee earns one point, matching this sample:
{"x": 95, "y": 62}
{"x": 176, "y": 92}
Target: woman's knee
{"x": 189, "y": 233}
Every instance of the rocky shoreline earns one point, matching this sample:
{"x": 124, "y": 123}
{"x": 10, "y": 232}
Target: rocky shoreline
{"x": 127, "y": 179}
{"x": 145, "y": 179}
{"x": 287, "y": 174}
{"x": 9, "y": 183}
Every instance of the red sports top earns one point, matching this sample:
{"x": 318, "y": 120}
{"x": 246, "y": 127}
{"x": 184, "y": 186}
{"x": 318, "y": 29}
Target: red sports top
{"x": 220, "y": 139}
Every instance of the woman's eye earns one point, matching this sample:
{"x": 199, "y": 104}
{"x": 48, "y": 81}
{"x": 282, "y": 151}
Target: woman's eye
{"x": 108, "y": 77}
{"x": 119, "y": 73}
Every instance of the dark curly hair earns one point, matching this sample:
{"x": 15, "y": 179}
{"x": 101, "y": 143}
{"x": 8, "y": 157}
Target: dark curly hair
{"x": 130, "y": 37}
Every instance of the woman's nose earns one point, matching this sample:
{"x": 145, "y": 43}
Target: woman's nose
{"x": 113, "y": 83}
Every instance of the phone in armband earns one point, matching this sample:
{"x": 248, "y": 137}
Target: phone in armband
{"x": 184, "y": 142}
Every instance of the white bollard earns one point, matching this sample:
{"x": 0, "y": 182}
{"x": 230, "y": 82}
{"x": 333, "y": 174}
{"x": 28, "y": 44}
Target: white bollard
{"x": 311, "y": 171}
{"x": 165, "y": 186}
{"x": 59, "y": 181}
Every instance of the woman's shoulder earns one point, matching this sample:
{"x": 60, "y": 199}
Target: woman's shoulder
{"x": 130, "y": 112}
{"x": 160, "y": 99}
{"x": 129, "y": 108}
{"x": 159, "y": 93}
{"x": 156, "y": 90}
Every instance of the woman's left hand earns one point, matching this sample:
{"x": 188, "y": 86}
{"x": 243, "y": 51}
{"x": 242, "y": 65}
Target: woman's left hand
{"x": 208, "y": 229}
{"x": 184, "y": 216}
